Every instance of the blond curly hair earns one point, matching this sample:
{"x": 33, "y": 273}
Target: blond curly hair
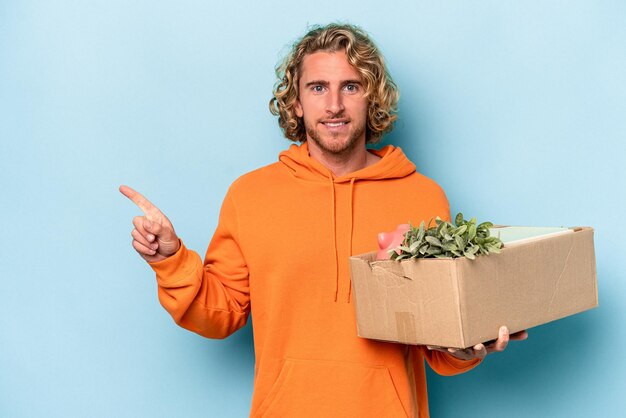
{"x": 382, "y": 92}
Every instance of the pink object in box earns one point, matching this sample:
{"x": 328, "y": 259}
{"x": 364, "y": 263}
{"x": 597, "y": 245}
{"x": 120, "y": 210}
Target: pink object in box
{"x": 390, "y": 240}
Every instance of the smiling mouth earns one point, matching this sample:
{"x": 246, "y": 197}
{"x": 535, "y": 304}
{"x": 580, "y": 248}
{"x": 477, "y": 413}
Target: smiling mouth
{"x": 335, "y": 123}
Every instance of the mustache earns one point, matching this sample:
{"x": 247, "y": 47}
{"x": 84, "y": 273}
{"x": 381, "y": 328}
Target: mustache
{"x": 340, "y": 115}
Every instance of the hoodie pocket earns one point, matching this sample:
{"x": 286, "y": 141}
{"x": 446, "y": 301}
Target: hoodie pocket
{"x": 319, "y": 388}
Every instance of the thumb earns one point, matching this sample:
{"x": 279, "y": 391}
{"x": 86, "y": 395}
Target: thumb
{"x": 163, "y": 235}
{"x": 153, "y": 227}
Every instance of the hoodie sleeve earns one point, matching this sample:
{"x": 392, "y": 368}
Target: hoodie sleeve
{"x": 210, "y": 298}
{"x": 446, "y": 364}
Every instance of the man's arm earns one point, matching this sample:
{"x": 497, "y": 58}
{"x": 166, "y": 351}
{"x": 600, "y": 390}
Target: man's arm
{"x": 210, "y": 298}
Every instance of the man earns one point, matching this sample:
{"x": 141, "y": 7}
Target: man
{"x": 286, "y": 231}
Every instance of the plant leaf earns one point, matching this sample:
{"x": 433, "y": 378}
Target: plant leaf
{"x": 460, "y": 231}
{"x": 485, "y": 225}
{"x": 415, "y": 246}
{"x": 471, "y": 234}
{"x": 469, "y": 255}
{"x": 434, "y": 241}
{"x": 433, "y": 250}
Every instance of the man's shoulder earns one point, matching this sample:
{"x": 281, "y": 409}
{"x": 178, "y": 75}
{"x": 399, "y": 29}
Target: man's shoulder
{"x": 426, "y": 180}
{"x": 417, "y": 178}
{"x": 257, "y": 178}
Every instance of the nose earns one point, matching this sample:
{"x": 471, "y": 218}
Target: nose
{"x": 334, "y": 103}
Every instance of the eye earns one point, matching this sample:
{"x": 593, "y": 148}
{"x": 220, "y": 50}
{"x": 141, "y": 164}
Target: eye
{"x": 352, "y": 88}
{"x": 318, "y": 88}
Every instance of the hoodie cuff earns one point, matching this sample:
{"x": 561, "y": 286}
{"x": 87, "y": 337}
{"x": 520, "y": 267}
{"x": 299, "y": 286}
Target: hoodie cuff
{"x": 173, "y": 268}
{"x": 461, "y": 365}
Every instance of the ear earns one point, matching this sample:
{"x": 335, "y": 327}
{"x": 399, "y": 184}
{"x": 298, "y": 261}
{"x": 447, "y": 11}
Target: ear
{"x": 297, "y": 106}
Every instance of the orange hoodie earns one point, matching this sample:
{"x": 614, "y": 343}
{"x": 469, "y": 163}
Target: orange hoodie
{"x": 280, "y": 252}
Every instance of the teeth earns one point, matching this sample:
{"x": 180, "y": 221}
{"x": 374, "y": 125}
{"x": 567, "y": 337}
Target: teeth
{"x": 333, "y": 125}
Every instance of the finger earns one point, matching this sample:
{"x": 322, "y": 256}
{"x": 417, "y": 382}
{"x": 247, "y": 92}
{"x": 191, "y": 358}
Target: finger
{"x": 144, "y": 204}
{"x": 518, "y": 336}
{"x": 142, "y": 240}
{"x": 479, "y": 347}
{"x": 480, "y": 351}
{"x": 503, "y": 339}
{"x": 138, "y": 222}
{"x": 142, "y": 249}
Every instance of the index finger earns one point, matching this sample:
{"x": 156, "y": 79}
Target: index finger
{"x": 144, "y": 204}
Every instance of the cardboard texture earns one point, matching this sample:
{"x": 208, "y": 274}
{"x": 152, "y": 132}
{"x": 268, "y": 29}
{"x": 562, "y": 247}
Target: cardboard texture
{"x": 459, "y": 302}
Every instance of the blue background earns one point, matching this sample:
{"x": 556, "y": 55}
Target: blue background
{"x": 518, "y": 109}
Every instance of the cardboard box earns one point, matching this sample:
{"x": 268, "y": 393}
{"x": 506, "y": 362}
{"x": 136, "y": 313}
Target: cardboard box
{"x": 459, "y": 302}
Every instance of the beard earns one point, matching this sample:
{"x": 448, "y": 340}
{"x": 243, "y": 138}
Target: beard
{"x": 333, "y": 144}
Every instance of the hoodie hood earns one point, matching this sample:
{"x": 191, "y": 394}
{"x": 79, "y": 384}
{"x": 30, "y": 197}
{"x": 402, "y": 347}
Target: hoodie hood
{"x": 393, "y": 164}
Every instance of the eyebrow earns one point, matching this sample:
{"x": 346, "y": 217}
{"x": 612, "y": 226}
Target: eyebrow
{"x": 326, "y": 83}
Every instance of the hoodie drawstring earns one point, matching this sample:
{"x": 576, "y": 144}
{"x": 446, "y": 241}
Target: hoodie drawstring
{"x": 351, "y": 231}
{"x": 333, "y": 210}
{"x": 333, "y": 207}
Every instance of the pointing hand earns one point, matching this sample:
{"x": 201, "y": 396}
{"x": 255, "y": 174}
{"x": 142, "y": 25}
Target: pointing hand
{"x": 153, "y": 237}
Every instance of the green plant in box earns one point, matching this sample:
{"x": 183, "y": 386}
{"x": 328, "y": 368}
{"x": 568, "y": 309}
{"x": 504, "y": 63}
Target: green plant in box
{"x": 463, "y": 239}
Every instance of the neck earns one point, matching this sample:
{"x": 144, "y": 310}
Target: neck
{"x": 345, "y": 162}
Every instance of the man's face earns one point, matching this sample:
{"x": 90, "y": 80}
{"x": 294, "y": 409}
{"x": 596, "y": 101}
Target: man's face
{"x": 331, "y": 102}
